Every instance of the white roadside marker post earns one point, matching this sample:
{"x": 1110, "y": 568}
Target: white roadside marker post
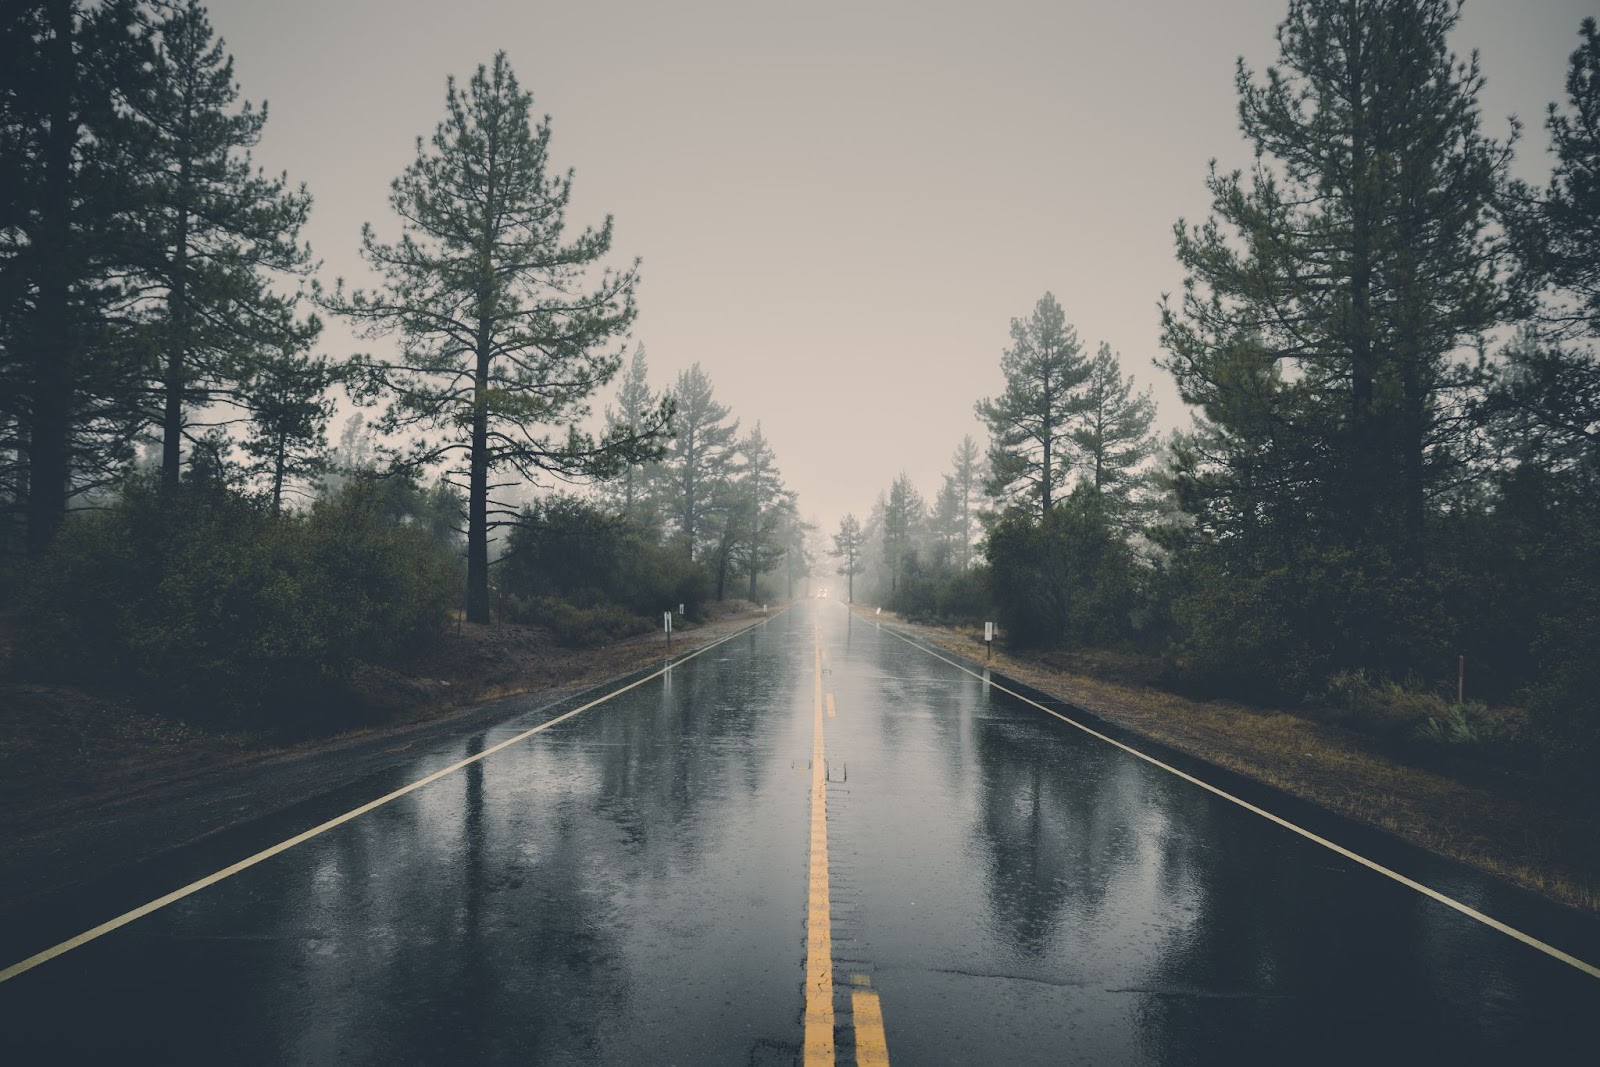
{"x": 666, "y": 621}
{"x": 988, "y": 641}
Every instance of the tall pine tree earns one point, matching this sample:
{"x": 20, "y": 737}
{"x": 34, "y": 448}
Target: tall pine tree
{"x": 696, "y": 466}
{"x": 637, "y": 406}
{"x": 965, "y": 477}
{"x": 70, "y": 361}
{"x": 218, "y": 234}
{"x": 1114, "y": 437}
{"x": 1031, "y": 423}
{"x": 1344, "y": 277}
{"x": 848, "y": 544}
{"x": 502, "y": 341}
{"x": 768, "y": 504}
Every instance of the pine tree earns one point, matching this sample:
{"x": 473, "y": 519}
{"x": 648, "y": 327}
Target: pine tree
{"x": 1547, "y": 404}
{"x": 1031, "y": 423}
{"x": 70, "y": 360}
{"x": 696, "y": 463}
{"x": 945, "y": 524}
{"x": 1328, "y": 296}
{"x": 218, "y": 233}
{"x": 847, "y": 546}
{"x": 637, "y": 406}
{"x": 287, "y": 398}
{"x": 964, "y": 475}
{"x": 1114, "y": 437}
{"x": 1568, "y": 215}
{"x": 795, "y": 537}
{"x": 502, "y": 345}
{"x": 762, "y": 485}
{"x": 903, "y": 516}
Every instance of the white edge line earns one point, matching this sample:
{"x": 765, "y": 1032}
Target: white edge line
{"x": 1470, "y": 912}
{"x": 283, "y": 846}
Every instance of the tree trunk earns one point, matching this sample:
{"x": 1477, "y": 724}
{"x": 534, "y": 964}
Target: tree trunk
{"x": 478, "y": 489}
{"x": 172, "y": 407}
{"x": 52, "y": 349}
{"x": 178, "y": 342}
{"x": 755, "y": 554}
{"x": 279, "y": 462}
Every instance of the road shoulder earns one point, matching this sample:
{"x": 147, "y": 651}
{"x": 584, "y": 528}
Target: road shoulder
{"x": 101, "y": 799}
{"x": 1535, "y": 843}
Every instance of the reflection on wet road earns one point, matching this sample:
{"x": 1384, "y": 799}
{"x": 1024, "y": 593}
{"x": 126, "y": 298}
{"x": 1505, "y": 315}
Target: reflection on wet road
{"x": 632, "y": 886}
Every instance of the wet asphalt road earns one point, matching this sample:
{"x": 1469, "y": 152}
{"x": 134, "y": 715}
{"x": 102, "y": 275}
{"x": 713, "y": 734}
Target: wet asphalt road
{"x": 631, "y": 886}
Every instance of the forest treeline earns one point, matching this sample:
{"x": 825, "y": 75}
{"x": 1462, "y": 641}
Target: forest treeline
{"x": 175, "y": 523}
{"x": 1390, "y": 347}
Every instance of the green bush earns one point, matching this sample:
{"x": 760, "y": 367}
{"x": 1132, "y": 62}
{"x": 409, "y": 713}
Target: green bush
{"x": 567, "y": 548}
{"x": 1381, "y": 706}
{"x": 1066, "y": 579}
{"x": 201, "y": 602}
{"x": 942, "y": 596}
{"x": 1280, "y": 632}
{"x": 573, "y": 626}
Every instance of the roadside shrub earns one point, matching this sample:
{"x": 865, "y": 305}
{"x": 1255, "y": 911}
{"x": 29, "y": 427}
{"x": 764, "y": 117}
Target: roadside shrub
{"x": 567, "y": 548}
{"x": 1472, "y": 724}
{"x": 577, "y": 627}
{"x": 1065, "y": 579}
{"x": 1380, "y": 706}
{"x": 200, "y": 602}
{"x": 942, "y": 595}
{"x": 1385, "y": 708}
{"x": 1282, "y": 632}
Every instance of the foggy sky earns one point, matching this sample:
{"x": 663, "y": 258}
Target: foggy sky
{"x": 839, "y": 206}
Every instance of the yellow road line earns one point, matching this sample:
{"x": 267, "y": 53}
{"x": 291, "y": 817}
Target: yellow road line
{"x": 872, "y": 1048}
{"x": 1434, "y": 894}
{"x": 819, "y": 933}
{"x": 831, "y": 708}
{"x": 283, "y": 846}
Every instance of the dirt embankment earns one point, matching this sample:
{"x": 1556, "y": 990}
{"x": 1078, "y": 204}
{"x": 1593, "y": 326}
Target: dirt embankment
{"x": 1494, "y": 820}
{"x": 88, "y": 783}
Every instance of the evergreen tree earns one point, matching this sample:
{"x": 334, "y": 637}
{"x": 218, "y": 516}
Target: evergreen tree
{"x": 1548, "y": 401}
{"x": 217, "y": 232}
{"x": 637, "y": 406}
{"x": 1328, "y": 297}
{"x": 1566, "y": 220}
{"x": 696, "y": 464}
{"x": 966, "y": 485}
{"x": 768, "y": 502}
{"x": 1031, "y": 423}
{"x": 945, "y": 524}
{"x": 502, "y": 345}
{"x": 1114, "y": 437}
{"x": 795, "y": 537}
{"x": 287, "y": 399}
{"x": 70, "y": 361}
{"x": 903, "y": 516}
{"x": 847, "y": 546}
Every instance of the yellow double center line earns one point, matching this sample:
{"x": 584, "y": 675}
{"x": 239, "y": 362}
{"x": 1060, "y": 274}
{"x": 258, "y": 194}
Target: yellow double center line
{"x": 819, "y": 933}
{"x": 866, "y": 1011}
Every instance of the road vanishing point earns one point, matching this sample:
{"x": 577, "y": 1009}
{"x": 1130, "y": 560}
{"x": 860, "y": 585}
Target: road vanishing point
{"x": 816, "y": 841}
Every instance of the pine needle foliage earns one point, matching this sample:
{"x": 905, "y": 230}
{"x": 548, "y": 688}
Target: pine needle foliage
{"x": 504, "y": 335}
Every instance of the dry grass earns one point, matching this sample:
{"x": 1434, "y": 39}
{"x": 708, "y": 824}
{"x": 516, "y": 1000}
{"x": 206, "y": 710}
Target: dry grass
{"x": 1535, "y": 842}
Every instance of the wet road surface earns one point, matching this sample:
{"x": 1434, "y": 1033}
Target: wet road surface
{"x": 633, "y": 885}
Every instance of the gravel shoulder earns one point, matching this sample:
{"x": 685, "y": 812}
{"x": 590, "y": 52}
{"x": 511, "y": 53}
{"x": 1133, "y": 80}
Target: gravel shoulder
{"x": 1499, "y": 822}
{"x": 89, "y": 786}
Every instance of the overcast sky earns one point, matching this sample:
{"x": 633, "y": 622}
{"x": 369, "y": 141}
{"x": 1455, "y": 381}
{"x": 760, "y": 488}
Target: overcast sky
{"x": 839, "y": 206}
